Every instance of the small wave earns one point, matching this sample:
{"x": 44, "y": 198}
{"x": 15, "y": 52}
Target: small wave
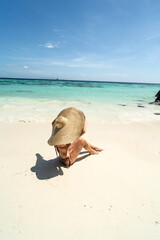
{"x": 24, "y": 91}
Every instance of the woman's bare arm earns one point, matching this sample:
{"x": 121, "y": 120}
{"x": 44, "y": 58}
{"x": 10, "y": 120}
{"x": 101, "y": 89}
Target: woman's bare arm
{"x": 84, "y": 128}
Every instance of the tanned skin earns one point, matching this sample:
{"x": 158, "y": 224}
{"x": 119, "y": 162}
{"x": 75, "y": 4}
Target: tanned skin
{"x": 69, "y": 152}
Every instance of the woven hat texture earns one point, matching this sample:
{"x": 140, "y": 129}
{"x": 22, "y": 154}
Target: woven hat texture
{"x": 67, "y": 126}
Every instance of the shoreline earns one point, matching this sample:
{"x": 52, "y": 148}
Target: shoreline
{"x": 32, "y": 110}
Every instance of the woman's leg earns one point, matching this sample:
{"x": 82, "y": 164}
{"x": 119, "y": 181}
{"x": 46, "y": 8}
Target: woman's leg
{"x": 76, "y": 147}
{"x": 90, "y": 148}
{"x": 95, "y": 148}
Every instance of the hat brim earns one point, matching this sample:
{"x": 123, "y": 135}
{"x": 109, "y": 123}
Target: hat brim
{"x": 72, "y": 129}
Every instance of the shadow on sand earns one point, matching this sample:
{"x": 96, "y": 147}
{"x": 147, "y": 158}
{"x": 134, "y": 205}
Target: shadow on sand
{"x": 46, "y": 169}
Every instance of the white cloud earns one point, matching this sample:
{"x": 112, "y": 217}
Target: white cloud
{"x": 125, "y": 75}
{"x": 80, "y": 59}
{"x": 25, "y": 67}
{"x": 49, "y": 45}
{"x": 82, "y": 63}
{"x": 153, "y": 37}
{"x": 59, "y": 30}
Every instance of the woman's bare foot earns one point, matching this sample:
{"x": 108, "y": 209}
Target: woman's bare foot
{"x": 97, "y": 149}
{"x": 93, "y": 152}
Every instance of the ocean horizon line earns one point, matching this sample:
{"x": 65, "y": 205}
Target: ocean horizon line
{"x": 71, "y": 80}
{"x": 38, "y": 99}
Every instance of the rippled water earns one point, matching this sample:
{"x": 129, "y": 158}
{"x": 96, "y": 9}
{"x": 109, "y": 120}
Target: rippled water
{"x": 41, "y": 100}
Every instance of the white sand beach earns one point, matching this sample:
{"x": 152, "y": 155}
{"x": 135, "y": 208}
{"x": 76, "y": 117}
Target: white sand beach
{"x": 102, "y": 58}
{"x": 113, "y": 195}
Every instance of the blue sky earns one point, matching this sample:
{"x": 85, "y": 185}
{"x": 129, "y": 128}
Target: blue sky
{"x": 110, "y": 40}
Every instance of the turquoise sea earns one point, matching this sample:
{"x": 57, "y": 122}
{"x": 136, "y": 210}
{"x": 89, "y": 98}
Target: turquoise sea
{"x": 41, "y": 100}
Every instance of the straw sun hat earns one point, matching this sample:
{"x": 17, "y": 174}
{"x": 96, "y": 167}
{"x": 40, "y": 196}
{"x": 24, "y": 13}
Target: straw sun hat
{"x": 67, "y": 126}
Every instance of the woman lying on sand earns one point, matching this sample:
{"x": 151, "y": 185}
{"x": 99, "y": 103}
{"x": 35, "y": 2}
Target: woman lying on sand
{"x": 67, "y": 130}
